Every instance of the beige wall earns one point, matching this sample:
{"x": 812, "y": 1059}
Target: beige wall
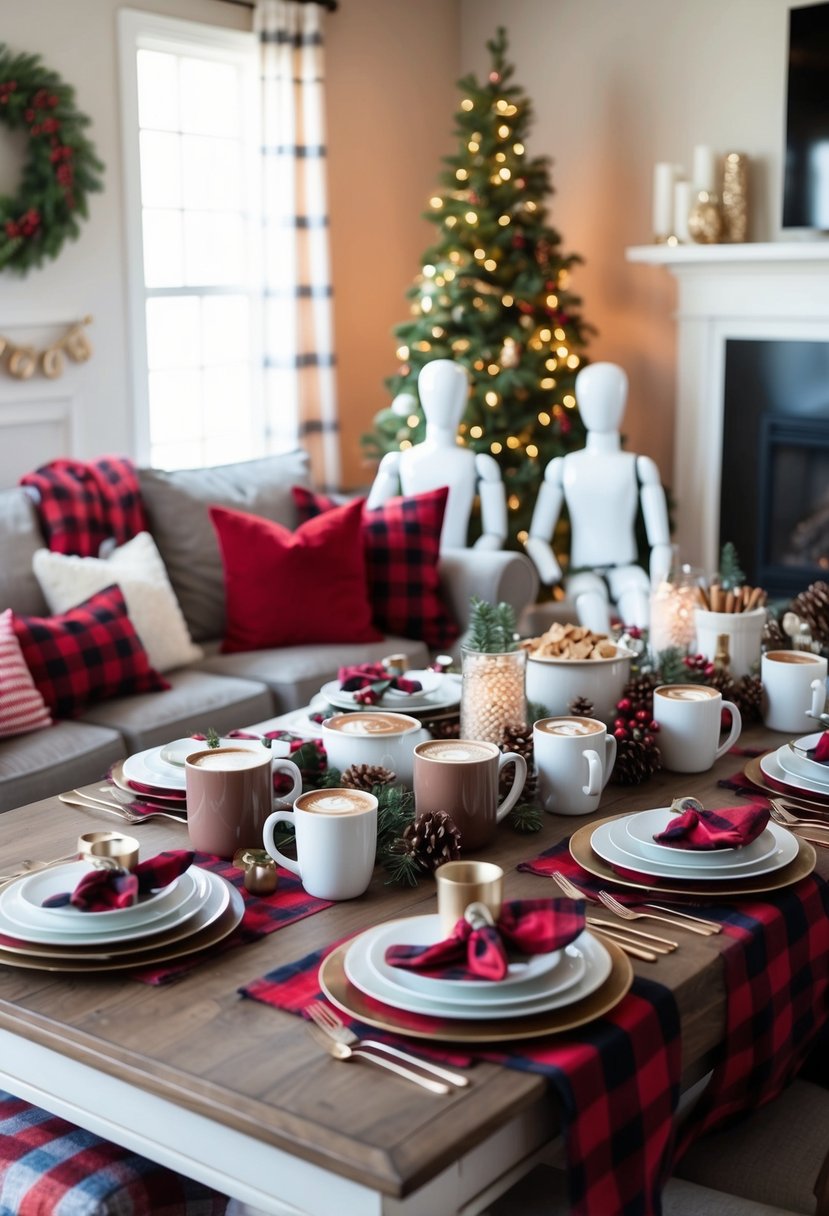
{"x": 616, "y": 84}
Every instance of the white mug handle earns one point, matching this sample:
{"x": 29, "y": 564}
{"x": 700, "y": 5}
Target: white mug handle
{"x": 736, "y": 727}
{"x": 286, "y": 766}
{"x": 594, "y": 773}
{"x": 518, "y": 780}
{"x": 270, "y": 844}
{"x": 609, "y": 757}
{"x": 818, "y": 688}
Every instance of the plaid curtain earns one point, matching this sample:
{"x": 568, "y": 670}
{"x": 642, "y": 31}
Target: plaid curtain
{"x": 300, "y": 401}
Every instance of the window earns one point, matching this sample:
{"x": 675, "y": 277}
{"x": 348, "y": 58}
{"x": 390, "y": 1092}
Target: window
{"x": 190, "y": 133}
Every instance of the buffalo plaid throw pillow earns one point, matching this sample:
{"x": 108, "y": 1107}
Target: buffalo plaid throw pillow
{"x": 82, "y": 504}
{"x": 402, "y": 547}
{"x": 49, "y": 1165}
{"x": 87, "y": 654}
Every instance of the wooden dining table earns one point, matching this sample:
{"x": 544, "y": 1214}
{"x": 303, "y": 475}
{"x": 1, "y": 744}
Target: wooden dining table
{"x": 238, "y": 1095}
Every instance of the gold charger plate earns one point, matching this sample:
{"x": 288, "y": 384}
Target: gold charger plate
{"x": 212, "y": 933}
{"x": 582, "y": 852}
{"x": 351, "y": 1000}
{"x": 755, "y": 774}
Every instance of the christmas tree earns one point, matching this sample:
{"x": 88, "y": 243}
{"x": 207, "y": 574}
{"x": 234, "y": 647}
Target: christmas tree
{"x": 493, "y": 294}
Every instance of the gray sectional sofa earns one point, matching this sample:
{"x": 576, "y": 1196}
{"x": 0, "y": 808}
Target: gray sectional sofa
{"x": 220, "y": 691}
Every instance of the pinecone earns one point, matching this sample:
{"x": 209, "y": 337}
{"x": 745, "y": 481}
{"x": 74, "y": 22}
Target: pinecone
{"x": 366, "y": 776}
{"x": 773, "y": 636}
{"x": 581, "y": 707}
{"x": 639, "y": 691}
{"x": 748, "y": 697}
{"x": 812, "y": 606}
{"x": 431, "y": 840}
{"x": 636, "y": 761}
{"x": 722, "y": 679}
{"x": 444, "y": 728}
{"x": 518, "y": 737}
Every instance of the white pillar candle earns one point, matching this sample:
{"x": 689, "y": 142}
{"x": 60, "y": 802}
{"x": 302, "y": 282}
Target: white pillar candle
{"x": 703, "y": 168}
{"x": 682, "y": 208}
{"x": 663, "y": 189}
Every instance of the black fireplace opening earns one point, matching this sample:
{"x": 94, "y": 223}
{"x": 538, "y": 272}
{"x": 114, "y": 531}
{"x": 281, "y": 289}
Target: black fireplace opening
{"x": 774, "y": 498}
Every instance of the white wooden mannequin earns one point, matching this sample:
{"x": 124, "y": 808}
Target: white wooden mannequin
{"x": 603, "y": 488}
{"x": 440, "y": 461}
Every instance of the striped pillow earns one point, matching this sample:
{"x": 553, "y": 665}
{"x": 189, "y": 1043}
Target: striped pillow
{"x": 22, "y": 708}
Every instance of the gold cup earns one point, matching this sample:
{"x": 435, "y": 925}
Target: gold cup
{"x": 109, "y": 848}
{"x": 461, "y": 883}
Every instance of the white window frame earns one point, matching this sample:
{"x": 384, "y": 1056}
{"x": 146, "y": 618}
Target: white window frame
{"x": 149, "y": 31}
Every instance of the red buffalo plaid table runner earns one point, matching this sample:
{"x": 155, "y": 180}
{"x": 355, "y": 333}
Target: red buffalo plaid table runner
{"x": 617, "y": 1081}
{"x": 264, "y": 914}
{"x": 81, "y": 504}
{"x": 777, "y": 986}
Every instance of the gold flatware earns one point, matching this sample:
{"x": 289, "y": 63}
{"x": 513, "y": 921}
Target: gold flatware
{"x": 341, "y": 1051}
{"x": 333, "y": 1025}
{"x": 785, "y": 818}
{"x": 89, "y": 803}
{"x": 663, "y": 945}
{"x": 624, "y": 943}
{"x": 571, "y": 890}
{"x": 713, "y": 925}
{"x": 613, "y": 905}
{"x": 32, "y": 867}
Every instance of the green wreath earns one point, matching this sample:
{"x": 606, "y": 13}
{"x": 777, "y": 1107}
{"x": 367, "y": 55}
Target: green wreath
{"x": 61, "y": 167}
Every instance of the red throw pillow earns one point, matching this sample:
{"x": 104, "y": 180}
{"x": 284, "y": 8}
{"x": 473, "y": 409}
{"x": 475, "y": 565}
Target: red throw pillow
{"x": 402, "y": 544}
{"x": 286, "y": 588}
{"x": 87, "y": 654}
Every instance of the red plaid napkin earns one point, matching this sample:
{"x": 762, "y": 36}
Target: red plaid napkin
{"x": 617, "y": 1083}
{"x": 727, "y": 827}
{"x": 103, "y": 890}
{"x": 529, "y": 926}
{"x": 363, "y": 675}
{"x": 821, "y": 752}
{"x": 81, "y": 504}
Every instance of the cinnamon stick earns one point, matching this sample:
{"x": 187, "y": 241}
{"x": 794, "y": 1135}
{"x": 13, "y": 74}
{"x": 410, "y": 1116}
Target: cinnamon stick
{"x": 729, "y": 601}
{"x": 716, "y": 599}
{"x": 703, "y": 598}
{"x": 756, "y": 595}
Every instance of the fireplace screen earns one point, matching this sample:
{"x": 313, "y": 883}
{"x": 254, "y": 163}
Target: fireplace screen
{"x": 794, "y": 513}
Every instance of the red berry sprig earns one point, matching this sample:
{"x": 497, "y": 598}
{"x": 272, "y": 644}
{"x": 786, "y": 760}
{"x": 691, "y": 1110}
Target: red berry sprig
{"x": 634, "y": 724}
{"x": 699, "y": 665}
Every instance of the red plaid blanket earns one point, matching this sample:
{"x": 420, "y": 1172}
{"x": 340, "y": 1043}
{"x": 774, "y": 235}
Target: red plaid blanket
{"x": 264, "y": 914}
{"x": 777, "y": 985}
{"x": 81, "y": 504}
{"x": 617, "y": 1081}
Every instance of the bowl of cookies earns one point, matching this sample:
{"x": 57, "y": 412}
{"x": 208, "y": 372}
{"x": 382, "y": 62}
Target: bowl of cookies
{"x": 569, "y": 663}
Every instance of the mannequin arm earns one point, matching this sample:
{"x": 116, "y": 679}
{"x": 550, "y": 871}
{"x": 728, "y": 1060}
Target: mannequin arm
{"x": 386, "y": 482}
{"x": 655, "y": 515}
{"x": 545, "y": 517}
{"x": 493, "y": 503}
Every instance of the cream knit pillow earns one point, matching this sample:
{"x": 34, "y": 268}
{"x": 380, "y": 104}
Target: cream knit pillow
{"x": 138, "y": 570}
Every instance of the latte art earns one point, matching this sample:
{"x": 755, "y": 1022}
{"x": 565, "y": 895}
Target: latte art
{"x": 334, "y": 802}
{"x": 223, "y": 761}
{"x": 371, "y": 724}
{"x": 573, "y": 727}
{"x": 688, "y": 692}
{"x": 455, "y": 752}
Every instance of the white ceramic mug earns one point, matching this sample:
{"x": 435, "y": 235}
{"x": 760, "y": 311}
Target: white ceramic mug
{"x": 230, "y": 795}
{"x": 373, "y": 737}
{"x": 574, "y": 757}
{"x": 336, "y": 841}
{"x": 689, "y": 717}
{"x": 794, "y": 690}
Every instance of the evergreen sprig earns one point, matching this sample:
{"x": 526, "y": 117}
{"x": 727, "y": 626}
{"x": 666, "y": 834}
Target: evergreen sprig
{"x": 492, "y": 627}
{"x": 731, "y": 575}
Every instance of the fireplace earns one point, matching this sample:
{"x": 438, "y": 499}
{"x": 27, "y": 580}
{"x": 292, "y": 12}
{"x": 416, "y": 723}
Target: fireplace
{"x": 751, "y": 444}
{"x": 774, "y": 484}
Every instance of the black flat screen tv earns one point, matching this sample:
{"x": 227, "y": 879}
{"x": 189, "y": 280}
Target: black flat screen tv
{"x": 806, "y": 174}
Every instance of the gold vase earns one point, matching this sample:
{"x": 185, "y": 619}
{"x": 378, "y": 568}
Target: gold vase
{"x": 735, "y": 197}
{"x": 705, "y": 218}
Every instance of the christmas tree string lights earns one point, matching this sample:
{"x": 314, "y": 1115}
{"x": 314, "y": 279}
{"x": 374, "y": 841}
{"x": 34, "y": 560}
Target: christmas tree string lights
{"x": 493, "y": 293}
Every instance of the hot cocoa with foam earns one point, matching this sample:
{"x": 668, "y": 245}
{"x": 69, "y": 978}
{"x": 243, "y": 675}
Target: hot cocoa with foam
{"x": 334, "y": 802}
{"x": 571, "y": 727}
{"x": 371, "y": 724}
{"x": 688, "y": 692}
{"x": 224, "y": 759}
{"x": 461, "y": 751}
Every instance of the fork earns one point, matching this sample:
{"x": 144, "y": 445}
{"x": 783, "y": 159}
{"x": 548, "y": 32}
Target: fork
{"x": 78, "y": 798}
{"x": 341, "y": 1051}
{"x": 332, "y": 1024}
{"x": 612, "y": 904}
{"x": 780, "y": 814}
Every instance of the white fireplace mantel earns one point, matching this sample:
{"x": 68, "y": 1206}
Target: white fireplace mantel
{"x": 775, "y": 290}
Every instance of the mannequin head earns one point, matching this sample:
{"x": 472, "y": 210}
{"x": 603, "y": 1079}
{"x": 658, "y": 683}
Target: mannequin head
{"x": 601, "y": 391}
{"x": 443, "y": 387}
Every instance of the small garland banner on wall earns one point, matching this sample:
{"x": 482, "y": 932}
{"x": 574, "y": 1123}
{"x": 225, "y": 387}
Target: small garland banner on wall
{"x": 60, "y": 168}
{"x": 23, "y": 360}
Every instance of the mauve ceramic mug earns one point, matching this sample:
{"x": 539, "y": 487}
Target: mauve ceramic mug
{"x": 230, "y": 795}
{"x": 460, "y": 777}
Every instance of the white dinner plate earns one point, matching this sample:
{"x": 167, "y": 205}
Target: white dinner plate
{"x": 611, "y": 842}
{"x": 438, "y": 692}
{"x": 22, "y": 901}
{"x": 170, "y": 758}
{"x": 644, "y": 825}
{"x": 137, "y": 767}
{"x": 770, "y": 767}
{"x": 556, "y": 971}
{"x": 797, "y": 766}
{"x": 95, "y": 936}
{"x": 360, "y": 972}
